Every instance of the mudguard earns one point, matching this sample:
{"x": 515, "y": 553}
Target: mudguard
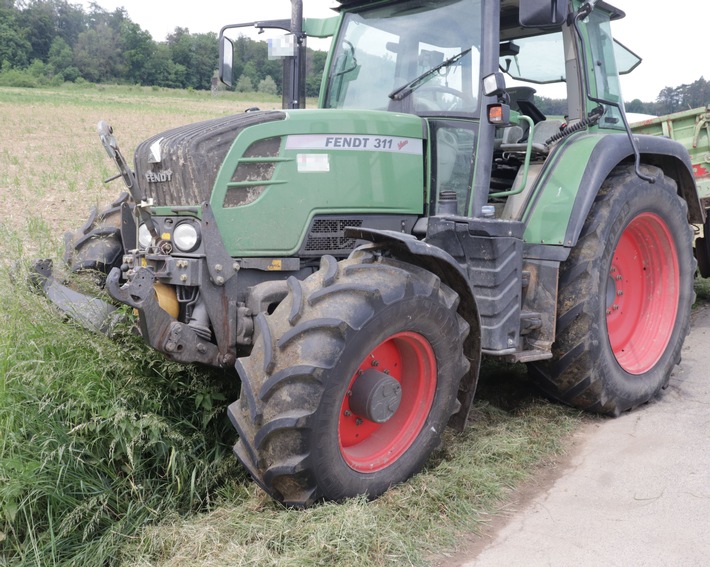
{"x": 409, "y": 249}
{"x": 557, "y": 210}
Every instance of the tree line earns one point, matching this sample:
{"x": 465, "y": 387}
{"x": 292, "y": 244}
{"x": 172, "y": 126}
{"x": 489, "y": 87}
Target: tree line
{"x": 675, "y": 99}
{"x": 669, "y": 100}
{"x": 52, "y": 41}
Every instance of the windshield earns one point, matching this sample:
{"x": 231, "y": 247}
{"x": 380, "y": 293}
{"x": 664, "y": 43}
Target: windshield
{"x": 381, "y": 51}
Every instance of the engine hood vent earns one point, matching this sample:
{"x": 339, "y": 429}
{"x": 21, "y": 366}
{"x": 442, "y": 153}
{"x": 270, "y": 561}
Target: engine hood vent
{"x": 179, "y": 166}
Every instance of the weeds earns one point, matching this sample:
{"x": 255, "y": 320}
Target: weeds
{"x": 406, "y": 526}
{"x": 99, "y": 438}
{"x": 110, "y": 455}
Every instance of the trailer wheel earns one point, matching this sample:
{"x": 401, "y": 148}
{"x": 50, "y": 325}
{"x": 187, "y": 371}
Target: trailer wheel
{"x": 351, "y": 381}
{"x": 97, "y": 246}
{"x": 624, "y": 298}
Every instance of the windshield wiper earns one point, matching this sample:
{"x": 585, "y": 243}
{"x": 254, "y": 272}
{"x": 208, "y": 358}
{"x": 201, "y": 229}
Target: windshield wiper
{"x": 405, "y": 90}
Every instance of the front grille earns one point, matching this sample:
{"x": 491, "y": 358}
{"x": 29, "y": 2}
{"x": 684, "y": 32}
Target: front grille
{"x": 325, "y": 236}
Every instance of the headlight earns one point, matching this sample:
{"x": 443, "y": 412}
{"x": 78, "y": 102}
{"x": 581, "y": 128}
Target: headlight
{"x": 186, "y": 237}
{"x": 144, "y": 238}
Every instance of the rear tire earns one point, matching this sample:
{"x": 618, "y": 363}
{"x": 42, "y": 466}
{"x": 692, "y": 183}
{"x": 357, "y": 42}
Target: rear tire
{"x": 307, "y": 417}
{"x": 624, "y": 298}
{"x": 97, "y": 246}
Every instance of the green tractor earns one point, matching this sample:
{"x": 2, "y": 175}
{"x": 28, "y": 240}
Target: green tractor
{"x": 354, "y": 262}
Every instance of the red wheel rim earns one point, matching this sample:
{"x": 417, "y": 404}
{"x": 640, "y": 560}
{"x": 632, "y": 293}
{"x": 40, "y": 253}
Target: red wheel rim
{"x": 642, "y": 293}
{"x": 367, "y": 446}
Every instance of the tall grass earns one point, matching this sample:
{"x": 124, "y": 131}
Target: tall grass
{"x": 110, "y": 455}
{"x": 97, "y": 437}
{"x": 452, "y": 498}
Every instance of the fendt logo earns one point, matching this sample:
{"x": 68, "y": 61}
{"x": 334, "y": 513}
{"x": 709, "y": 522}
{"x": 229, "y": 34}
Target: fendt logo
{"x": 159, "y": 176}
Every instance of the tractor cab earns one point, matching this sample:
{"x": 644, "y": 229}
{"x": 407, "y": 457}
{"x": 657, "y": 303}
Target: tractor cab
{"x": 430, "y": 58}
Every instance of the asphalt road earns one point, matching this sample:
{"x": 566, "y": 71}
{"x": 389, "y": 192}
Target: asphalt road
{"x": 633, "y": 491}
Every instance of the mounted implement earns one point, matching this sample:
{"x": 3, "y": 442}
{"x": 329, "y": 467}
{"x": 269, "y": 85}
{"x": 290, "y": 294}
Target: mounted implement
{"x": 479, "y": 225}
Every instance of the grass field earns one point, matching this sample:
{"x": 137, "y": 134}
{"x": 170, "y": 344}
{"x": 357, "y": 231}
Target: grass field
{"x": 109, "y": 455}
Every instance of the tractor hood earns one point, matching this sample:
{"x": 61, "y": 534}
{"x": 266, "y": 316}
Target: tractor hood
{"x": 289, "y": 182}
{"x": 281, "y": 180}
{"x": 179, "y": 166}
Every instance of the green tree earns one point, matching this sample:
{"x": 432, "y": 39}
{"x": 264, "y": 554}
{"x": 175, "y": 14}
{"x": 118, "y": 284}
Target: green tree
{"x": 197, "y": 53}
{"x": 61, "y": 60}
{"x": 71, "y": 20}
{"x": 668, "y": 101}
{"x": 162, "y": 70}
{"x": 244, "y": 85}
{"x": 205, "y": 54}
{"x": 635, "y": 106}
{"x": 37, "y": 21}
{"x": 96, "y": 54}
{"x": 697, "y": 93}
{"x": 315, "y": 64}
{"x": 14, "y": 47}
{"x": 137, "y": 48}
{"x": 267, "y": 85}
{"x": 249, "y": 72}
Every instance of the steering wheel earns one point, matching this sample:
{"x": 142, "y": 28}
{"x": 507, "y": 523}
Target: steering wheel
{"x": 421, "y": 103}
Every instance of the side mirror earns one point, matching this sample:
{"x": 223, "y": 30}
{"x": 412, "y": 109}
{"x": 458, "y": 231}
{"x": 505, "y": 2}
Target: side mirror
{"x": 542, "y": 14}
{"x": 226, "y": 60}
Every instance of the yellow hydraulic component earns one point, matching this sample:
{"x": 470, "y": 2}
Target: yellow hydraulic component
{"x": 167, "y": 298}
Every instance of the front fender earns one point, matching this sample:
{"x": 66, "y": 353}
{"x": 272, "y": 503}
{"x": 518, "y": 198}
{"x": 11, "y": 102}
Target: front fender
{"x": 409, "y": 249}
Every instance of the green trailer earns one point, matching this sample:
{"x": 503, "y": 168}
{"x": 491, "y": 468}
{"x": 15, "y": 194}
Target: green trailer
{"x": 353, "y": 263}
{"x": 691, "y": 128}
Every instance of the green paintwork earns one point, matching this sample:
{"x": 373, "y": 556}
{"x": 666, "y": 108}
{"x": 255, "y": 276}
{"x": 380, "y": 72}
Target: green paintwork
{"x": 320, "y": 27}
{"x": 557, "y": 190}
{"x": 371, "y": 180}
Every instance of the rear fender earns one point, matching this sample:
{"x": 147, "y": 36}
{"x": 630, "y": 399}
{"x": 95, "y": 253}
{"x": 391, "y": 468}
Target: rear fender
{"x": 408, "y": 249}
{"x": 558, "y": 209}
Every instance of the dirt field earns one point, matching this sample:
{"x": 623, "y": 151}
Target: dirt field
{"x": 52, "y": 164}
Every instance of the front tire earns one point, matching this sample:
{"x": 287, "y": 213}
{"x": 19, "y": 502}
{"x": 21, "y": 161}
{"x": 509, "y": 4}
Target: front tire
{"x": 624, "y": 297}
{"x": 351, "y": 381}
{"x": 97, "y": 246}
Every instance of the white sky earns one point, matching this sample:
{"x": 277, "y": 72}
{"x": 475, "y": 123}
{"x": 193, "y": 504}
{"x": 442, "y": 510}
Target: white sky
{"x": 671, "y": 38}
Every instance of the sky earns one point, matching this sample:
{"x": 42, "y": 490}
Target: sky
{"x": 671, "y": 38}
